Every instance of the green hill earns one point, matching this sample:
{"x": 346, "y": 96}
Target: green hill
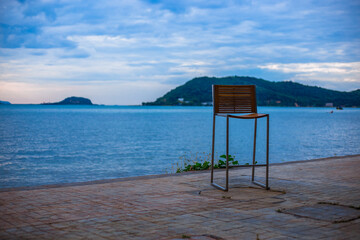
{"x": 198, "y": 92}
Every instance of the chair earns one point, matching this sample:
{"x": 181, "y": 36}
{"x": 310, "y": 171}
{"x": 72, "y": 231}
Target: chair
{"x": 237, "y": 99}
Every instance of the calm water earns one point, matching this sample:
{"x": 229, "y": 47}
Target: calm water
{"x": 58, "y": 144}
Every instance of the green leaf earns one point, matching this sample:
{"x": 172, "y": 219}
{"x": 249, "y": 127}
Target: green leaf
{"x": 206, "y": 165}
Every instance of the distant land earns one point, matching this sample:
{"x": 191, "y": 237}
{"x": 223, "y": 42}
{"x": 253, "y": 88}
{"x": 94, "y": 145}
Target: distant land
{"x": 4, "y": 102}
{"x": 198, "y": 92}
{"x": 72, "y": 101}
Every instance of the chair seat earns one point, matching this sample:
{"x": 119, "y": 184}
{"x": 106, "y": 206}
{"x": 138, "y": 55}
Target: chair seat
{"x": 246, "y": 116}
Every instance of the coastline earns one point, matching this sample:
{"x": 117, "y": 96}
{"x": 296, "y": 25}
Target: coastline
{"x": 150, "y": 106}
{"x": 147, "y": 177}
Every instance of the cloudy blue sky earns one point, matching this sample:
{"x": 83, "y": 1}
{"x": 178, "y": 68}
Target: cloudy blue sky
{"x": 130, "y": 51}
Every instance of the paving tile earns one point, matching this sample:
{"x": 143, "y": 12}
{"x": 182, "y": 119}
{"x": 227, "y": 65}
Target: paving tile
{"x": 167, "y": 207}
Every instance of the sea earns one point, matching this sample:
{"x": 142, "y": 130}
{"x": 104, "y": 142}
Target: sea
{"x": 49, "y": 144}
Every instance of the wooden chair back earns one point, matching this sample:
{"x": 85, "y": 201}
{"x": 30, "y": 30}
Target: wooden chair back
{"x": 234, "y": 99}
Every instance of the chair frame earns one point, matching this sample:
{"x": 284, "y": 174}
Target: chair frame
{"x": 238, "y": 99}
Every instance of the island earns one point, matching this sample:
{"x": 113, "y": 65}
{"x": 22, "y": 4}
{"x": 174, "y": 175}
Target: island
{"x": 198, "y": 92}
{"x": 4, "y": 102}
{"x": 72, "y": 101}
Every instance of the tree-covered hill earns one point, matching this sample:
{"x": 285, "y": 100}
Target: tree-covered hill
{"x": 72, "y": 101}
{"x": 198, "y": 91}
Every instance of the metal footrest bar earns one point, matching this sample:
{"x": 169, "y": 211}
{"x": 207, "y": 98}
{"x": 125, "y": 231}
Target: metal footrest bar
{"x": 219, "y": 187}
{"x": 260, "y": 184}
{"x": 249, "y": 165}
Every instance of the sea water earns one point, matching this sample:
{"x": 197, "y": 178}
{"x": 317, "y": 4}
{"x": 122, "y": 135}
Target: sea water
{"x": 42, "y": 144}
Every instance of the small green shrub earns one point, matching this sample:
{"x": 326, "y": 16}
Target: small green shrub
{"x": 193, "y": 164}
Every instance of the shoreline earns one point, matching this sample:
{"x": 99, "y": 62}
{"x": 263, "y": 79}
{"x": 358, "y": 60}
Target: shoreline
{"x": 185, "y": 106}
{"x": 154, "y": 176}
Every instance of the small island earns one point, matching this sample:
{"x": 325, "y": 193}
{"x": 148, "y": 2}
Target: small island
{"x": 72, "y": 101}
{"x": 5, "y": 102}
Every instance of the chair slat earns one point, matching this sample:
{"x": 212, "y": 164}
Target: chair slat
{"x": 234, "y": 99}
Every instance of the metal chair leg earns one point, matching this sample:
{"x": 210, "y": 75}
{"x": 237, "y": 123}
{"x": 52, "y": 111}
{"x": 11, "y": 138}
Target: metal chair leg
{"x": 254, "y": 152}
{"x": 212, "y": 163}
{"x": 267, "y": 152}
{"x": 212, "y": 152}
{"x": 227, "y": 154}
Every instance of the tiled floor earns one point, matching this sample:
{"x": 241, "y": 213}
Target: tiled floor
{"x": 185, "y": 206}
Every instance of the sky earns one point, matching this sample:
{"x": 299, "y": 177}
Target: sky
{"x": 125, "y": 52}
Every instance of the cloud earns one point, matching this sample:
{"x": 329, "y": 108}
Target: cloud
{"x": 166, "y": 43}
{"x": 336, "y": 72}
{"x": 99, "y": 41}
{"x": 334, "y": 68}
